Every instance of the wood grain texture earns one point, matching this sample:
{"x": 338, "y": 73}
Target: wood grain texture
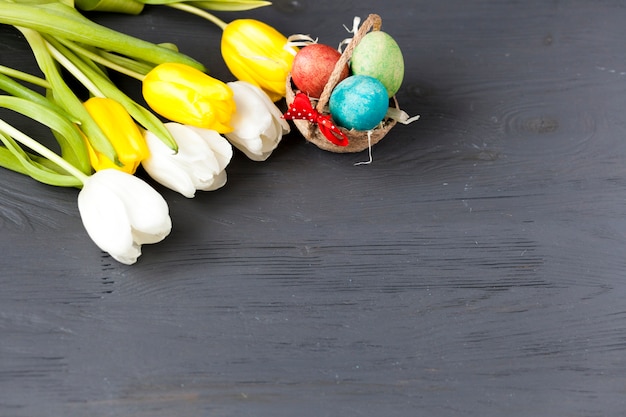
{"x": 475, "y": 268}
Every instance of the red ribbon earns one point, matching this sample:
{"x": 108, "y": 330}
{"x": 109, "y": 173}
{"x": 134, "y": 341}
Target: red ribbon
{"x": 302, "y": 109}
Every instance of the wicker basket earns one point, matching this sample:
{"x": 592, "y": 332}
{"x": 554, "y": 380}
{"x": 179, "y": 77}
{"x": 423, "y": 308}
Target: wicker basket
{"x": 359, "y": 140}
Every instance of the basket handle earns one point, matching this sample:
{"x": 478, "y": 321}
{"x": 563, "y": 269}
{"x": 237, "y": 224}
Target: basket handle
{"x": 373, "y": 22}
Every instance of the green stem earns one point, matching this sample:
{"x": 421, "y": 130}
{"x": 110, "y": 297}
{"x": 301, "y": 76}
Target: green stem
{"x": 68, "y": 65}
{"x": 65, "y": 97}
{"x": 66, "y": 22}
{"x": 18, "y": 90}
{"x": 145, "y": 118}
{"x": 42, "y": 150}
{"x": 199, "y": 12}
{"x": 23, "y": 76}
{"x": 101, "y": 60}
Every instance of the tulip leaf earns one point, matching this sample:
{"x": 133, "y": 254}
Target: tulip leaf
{"x": 24, "y": 76}
{"x": 68, "y": 136}
{"x": 233, "y": 6}
{"x": 14, "y": 88}
{"x": 118, "y": 6}
{"x": 66, "y": 22}
{"x": 13, "y": 157}
{"x": 161, "y": 2}
{"x": 140, "y": 67}
{"x": 169, "y": 45}
{"x": 134, "y": 65}
{"x": 65, "y": 97}
{"x": 144, "y": 117}
{"x": 219, "y": 5}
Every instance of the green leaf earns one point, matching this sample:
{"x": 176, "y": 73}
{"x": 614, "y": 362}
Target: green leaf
{"x": 70, "y": 139}
{"x": 232, "y": 6}
{"x": 23, "y": 76}
{"x": 118, "y": 6}
{"x": 66, "y": 22}
{"x": 221, "y": 5}
{"x": 139, "y": 67}
{"x": 144, "y": 117}
{"x": 14, "y": 88}
{"x": 13, "y": 157}
{"x": 65, "y": 97}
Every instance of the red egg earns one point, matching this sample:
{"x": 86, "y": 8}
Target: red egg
{"x": 312, "y": 67}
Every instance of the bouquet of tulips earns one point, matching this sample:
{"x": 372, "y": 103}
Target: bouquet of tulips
{"x": 183, "y": 138}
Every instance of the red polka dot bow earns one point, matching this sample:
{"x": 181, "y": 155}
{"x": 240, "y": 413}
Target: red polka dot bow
{"x": 302, "y": 109}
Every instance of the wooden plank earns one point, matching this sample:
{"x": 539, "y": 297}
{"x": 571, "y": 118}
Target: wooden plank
{"x": 474, "y": 268}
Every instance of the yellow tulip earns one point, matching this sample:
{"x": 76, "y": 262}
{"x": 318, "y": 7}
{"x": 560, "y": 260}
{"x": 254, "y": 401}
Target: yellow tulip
{"x": 256, "y": 52}
{"x": 188, "y": 96}
{"x": 123, "y": 133}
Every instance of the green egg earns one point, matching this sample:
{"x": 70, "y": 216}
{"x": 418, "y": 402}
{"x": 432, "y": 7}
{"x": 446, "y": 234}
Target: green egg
{"x": 379, "y": 56}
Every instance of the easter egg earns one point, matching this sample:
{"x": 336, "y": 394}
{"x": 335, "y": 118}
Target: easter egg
{"x": 312, "y": 67}
{"x": 359, "y": 102}
{"x": 379, "y": 56}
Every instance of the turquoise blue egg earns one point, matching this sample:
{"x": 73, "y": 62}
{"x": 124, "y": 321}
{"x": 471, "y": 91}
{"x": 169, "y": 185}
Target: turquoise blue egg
{"x": 359, "y": 102}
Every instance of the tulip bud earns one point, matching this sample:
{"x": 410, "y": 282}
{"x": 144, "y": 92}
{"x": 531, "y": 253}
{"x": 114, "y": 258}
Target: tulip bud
{"x": 121, "y": 212}
{"x": 188, "y": 96}
{"x": 257, "y": 53}
{"x": 121, "y": 131}
{"x": 199, "y": 164}
{"x": 258, "y": 124}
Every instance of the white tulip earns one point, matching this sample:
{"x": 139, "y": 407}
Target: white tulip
{"x": 199, "y": 164}
{"x": 257, "y": 122}
{"x": 121, "y": 212}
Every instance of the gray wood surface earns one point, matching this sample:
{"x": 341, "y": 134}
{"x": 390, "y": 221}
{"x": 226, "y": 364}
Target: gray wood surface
{"x": 475, "y": 268}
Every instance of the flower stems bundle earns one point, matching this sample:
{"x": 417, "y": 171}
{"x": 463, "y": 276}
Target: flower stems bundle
{"x": 65, "y": 22}
{"x": 105, "y": 137}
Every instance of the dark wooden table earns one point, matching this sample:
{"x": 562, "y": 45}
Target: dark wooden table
{"x": 475, "y": 268}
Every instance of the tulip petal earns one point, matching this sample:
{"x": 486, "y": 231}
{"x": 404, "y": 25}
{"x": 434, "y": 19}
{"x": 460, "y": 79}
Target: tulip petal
{"x": 164, "y": 168}
{"x": 147, "y": 210}
{"x": 222, "y": 150}
{"x": 197, "y": 150}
